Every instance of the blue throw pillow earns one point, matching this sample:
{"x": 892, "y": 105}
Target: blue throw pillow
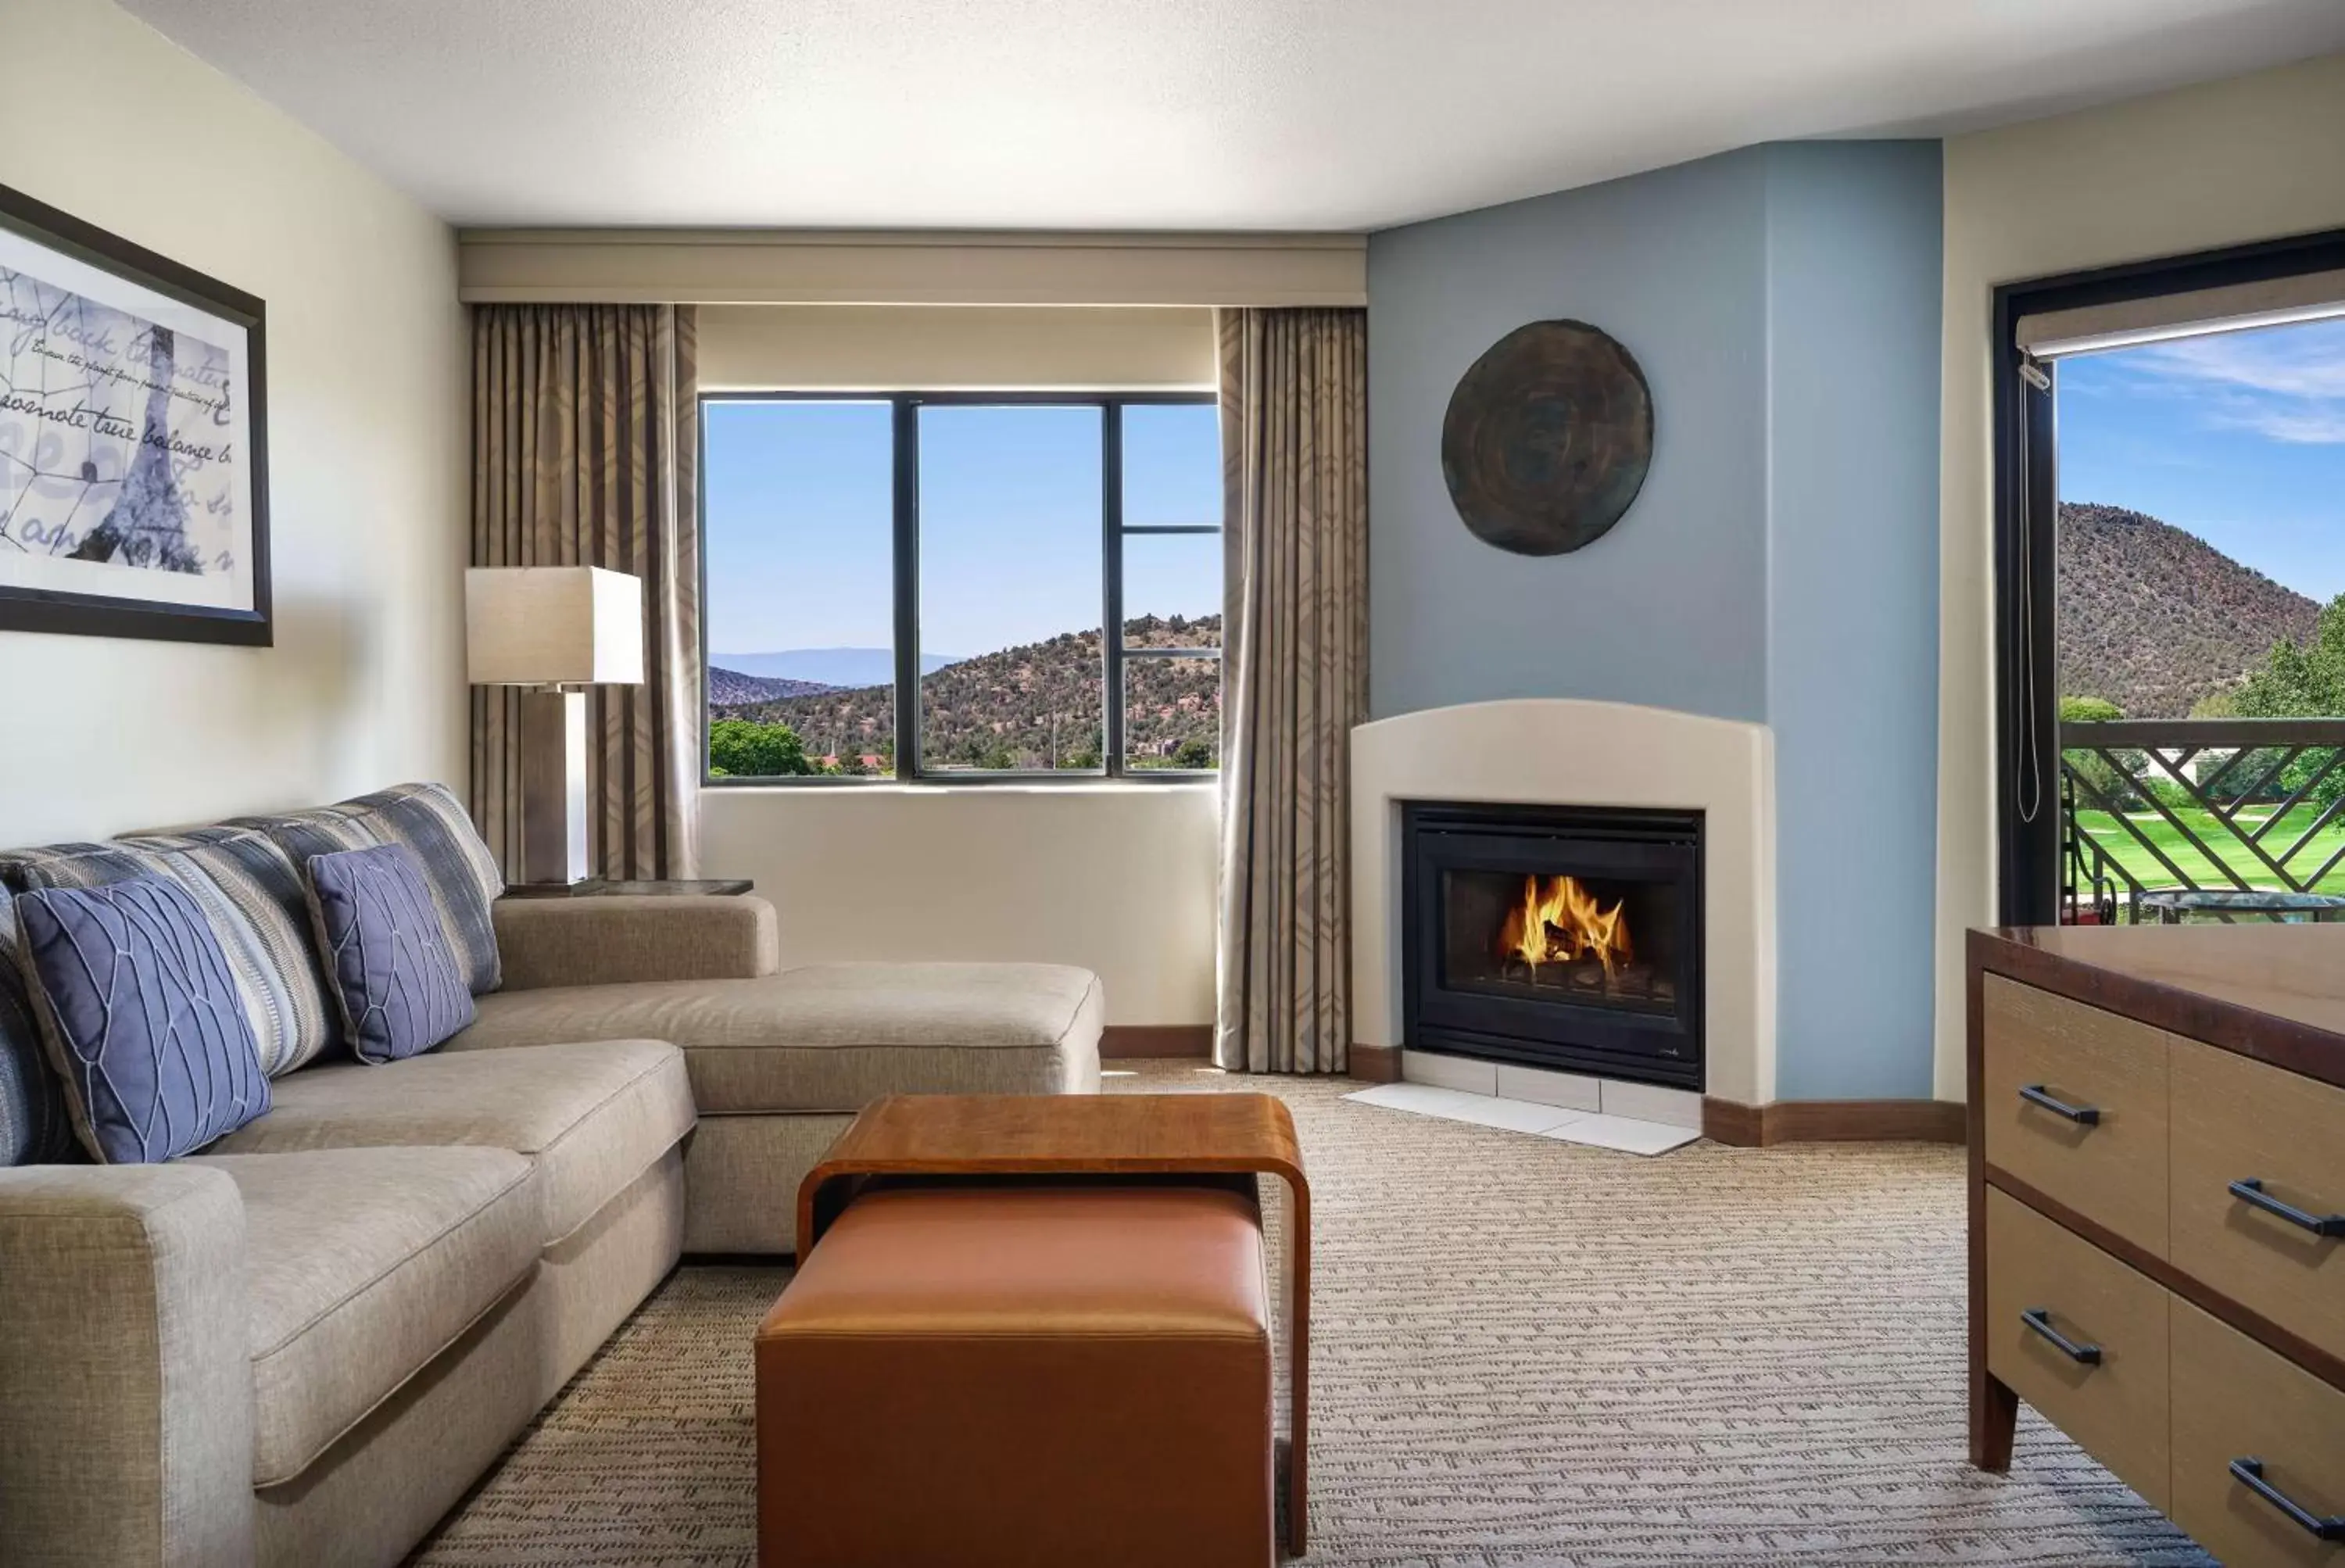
{"x": 35, "y": 1125}
{"x": 141, "y": 1017}
{"x": 387, "y": 956}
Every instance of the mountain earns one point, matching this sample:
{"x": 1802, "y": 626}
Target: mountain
{"x": 1032, "y": 706}
{"x": 828, "y": 667}
{"x": 2154, "y": 619}
{"x": 730, "y": 688}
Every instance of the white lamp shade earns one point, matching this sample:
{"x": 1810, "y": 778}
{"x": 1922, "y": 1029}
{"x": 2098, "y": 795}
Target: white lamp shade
{"x": 554, "y": 625}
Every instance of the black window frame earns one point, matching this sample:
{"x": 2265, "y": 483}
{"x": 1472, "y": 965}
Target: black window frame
{"x": 905, "y": 546}
{"x": 2026, "y": 502}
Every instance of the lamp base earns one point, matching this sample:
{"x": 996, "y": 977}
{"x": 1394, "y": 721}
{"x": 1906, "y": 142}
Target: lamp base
{"x": 554, "y": 787}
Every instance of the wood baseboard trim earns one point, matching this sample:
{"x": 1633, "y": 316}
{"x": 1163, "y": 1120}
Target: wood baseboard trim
{"x": 1122, "y": 1041}
{"x": 1376, "y": 1064}
{"x": 1733, "y": 1123}
{"x": 1832, "y": 1122}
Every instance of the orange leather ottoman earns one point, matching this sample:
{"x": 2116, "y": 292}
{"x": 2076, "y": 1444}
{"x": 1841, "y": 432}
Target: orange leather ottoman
{"x": 1031, "y": 1375}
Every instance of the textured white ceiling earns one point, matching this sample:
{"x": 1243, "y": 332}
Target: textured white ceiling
{"x": 1156, "y": 114}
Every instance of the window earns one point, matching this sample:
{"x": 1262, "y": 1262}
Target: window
{"x": 962, "y": 587}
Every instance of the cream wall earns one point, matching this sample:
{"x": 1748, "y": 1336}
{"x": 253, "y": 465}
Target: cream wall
{"x": 868, "y": 348}
{"x": 911, "y": 267}
{"x": 2222, "y": 164}
{"x": 367, "y": 387}
{"x": 1119, "y": 878}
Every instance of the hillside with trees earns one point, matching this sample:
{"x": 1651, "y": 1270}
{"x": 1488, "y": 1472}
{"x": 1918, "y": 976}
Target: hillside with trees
{"x": 2156, "y": 620}
{"x": 1034, "y": 707}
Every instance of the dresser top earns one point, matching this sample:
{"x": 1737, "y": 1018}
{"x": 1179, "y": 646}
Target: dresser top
{"x": 2276, "y": 993}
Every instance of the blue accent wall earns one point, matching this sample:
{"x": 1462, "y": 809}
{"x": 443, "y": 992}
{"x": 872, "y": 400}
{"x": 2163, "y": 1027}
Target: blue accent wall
{"x": 1854, "y": 264}
{"x": 1781, "y": 564}
{"x": 1669, "y": 609}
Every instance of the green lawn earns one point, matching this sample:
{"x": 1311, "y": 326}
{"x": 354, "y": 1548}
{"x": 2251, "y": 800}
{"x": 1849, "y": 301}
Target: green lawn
{"x": 2122, "y": 846}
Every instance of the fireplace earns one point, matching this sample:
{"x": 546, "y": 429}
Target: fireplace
{"x": 1569, "y": 938}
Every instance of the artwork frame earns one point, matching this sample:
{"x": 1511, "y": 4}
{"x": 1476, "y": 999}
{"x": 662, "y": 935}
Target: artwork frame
{"x": 190, "y": 470}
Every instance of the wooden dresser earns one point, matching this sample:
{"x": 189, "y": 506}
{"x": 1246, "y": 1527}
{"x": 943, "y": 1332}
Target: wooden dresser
{"x": 2157, "y": 1217}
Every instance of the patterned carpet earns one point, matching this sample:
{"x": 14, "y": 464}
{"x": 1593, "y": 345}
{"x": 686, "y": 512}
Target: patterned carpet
{"x": 1524, "y": 1352}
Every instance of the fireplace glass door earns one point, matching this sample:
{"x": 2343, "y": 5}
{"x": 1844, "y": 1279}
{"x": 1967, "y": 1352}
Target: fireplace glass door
{"x": 1568, "y": 939}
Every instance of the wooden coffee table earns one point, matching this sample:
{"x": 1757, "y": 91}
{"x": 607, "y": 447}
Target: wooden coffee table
{"x": 993, "y": 1136}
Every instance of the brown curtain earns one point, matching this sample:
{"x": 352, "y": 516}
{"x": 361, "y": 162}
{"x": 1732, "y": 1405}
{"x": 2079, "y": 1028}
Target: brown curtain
{"x": 585, "y": 443}
{"x": 1294, "y": 464}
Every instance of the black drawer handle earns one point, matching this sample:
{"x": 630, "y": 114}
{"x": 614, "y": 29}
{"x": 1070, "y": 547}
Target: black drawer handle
{"x": 2083, "y": 1116}
{"x": 2250, "y": 1190}
{"x": 2249, "y": 1473}
{"x": 2040, "y": 1320}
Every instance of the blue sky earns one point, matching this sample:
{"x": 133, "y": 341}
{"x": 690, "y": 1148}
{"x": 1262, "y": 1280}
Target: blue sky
{"x": 799, "y": 507}
{"x": 2238, "y": 438}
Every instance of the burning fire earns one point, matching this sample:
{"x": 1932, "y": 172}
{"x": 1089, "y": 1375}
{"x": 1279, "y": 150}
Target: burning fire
{"x": 1559, "y": 919}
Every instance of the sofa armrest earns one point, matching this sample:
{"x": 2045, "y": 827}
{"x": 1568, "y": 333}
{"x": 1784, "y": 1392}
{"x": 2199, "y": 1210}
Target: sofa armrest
{"x": 126, "y": 1375}
{"x": 606, "y": 940}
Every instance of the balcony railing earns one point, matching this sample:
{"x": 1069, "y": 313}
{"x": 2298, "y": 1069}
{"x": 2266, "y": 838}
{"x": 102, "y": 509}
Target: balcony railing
{"x": 2228, "y": 818}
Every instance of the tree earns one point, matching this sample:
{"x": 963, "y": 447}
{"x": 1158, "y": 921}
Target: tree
{"x": 2301, "y": 683}
{"x": 1193, "y": 753}
{"x": 2089, "y": 710}
{"x": 2115, "y": 785}
{"x": 745, "y": 749}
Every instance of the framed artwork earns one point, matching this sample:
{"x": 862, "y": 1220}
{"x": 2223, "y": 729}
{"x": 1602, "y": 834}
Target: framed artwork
{"x": 134, "y": 477}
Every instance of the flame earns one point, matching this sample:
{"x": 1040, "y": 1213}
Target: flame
{"x": 1558, "y": 919}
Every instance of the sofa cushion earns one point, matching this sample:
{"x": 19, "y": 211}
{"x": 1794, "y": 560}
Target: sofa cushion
{"x": 243, "y": 882}
{"x": 362, "y": 1265}
{"x": 428, "y": 818}
{"x": 837, "y": 1036}
{"x": 394, "y": 980}
{"x": 36, "y": 1128}
{"x": 140, "y": 1016}
{"x": 594, "y": 1116}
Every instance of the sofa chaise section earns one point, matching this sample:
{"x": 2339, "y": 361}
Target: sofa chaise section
{"x": 779, "y": 1060}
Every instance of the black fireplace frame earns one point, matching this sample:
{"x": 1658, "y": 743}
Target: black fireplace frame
{"x": 1665, "y": 1049}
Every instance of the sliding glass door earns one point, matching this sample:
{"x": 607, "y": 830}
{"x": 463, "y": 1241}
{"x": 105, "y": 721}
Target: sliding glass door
{"x": 2170, "y": 566}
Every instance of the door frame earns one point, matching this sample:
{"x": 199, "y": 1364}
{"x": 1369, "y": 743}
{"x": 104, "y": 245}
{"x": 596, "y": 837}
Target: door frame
{"x": 2026, "y": 497}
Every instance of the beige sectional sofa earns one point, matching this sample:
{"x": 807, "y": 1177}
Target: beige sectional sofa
{"x": 301, "y": 1344}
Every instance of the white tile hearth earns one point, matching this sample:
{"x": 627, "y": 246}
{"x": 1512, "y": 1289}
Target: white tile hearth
{"x": 1650, "y": 1102}
{"x": 1558, "y": 1121}
{"x": 1449, "y": 1071}
{"x": 1569, "y": 1090}
{"x": 1625, "y": 1134}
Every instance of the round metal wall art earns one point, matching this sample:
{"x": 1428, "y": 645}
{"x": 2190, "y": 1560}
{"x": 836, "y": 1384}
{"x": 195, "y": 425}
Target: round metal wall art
{"x": 1548, "y": 438}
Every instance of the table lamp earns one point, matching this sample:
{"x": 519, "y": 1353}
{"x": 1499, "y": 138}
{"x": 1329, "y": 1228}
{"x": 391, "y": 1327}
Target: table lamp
{"x": 553, "y": 631}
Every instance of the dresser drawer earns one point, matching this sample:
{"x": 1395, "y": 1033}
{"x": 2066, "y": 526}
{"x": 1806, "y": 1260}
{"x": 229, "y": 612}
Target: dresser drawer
{"x": 2109, "y": 1165}
{"x": 2109, "y": 1391}
{"x": 2234, "y": 1400}
{"x": 2237, "y": 1120}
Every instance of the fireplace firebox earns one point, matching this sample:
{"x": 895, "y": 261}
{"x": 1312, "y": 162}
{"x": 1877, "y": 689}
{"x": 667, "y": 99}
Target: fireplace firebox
{"x": 1560, "y": 937}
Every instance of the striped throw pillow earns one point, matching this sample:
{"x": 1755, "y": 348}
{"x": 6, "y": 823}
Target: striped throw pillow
{"x": 464, "y": 878}
{"x": 252, "y": 896}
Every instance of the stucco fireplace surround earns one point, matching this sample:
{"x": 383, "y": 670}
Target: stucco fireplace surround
{"x": 1564, "y": 753}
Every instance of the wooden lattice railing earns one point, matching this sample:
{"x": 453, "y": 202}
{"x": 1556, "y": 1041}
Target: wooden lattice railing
{"x": 2236, "y": 806}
